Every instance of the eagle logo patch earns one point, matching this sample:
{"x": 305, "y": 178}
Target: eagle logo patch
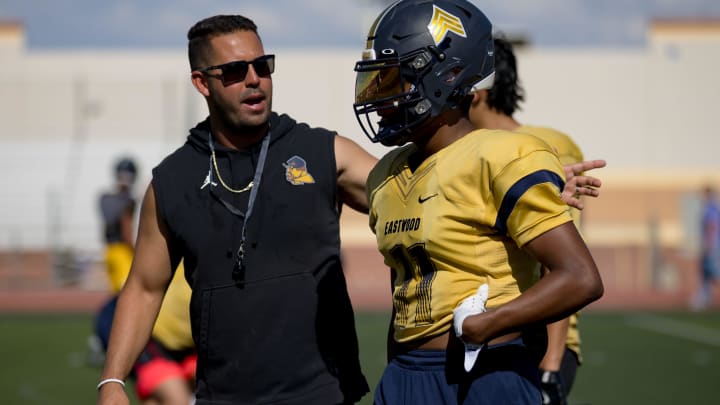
{"x": 443, "y": 22}
{"x": 296, "y": 171}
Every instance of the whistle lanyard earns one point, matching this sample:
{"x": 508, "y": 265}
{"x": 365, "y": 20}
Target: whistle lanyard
{"x": 251, "y": 200}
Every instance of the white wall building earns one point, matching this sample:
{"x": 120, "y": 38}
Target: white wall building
{"x": 67, "y": 115}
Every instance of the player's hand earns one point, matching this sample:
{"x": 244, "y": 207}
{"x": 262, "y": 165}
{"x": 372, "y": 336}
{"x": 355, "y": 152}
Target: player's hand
{"x": 472, "y": 305}
{"x": 577, "y": 184}
{"x": 553, "y": 389}
{"x": 580, "y": 186}
{"x": 112, "y": 394}
{"x": 577, "y": 169}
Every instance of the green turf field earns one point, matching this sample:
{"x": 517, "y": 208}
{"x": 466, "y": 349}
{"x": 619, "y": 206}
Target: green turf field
{"x": 630, "y": 358}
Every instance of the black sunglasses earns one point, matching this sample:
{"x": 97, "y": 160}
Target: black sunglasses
{"x": 233, "y": 72}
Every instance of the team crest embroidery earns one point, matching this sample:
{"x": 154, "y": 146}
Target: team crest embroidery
{"x": 443, "y": 22}
{"x": 296, "y": 171}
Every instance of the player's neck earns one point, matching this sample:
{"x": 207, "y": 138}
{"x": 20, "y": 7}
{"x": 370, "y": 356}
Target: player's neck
{"x": 445, "y": 136}
{"x": 497, "y": 120}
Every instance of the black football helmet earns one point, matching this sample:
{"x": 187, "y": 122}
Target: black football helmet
{"x": 422, "y": 58}
{"x": 125, "y": 171}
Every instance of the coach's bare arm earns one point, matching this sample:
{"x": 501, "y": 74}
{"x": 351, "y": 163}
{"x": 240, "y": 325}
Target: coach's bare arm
{"x": 353, "y": 166}
{"x": 139, "y": 301}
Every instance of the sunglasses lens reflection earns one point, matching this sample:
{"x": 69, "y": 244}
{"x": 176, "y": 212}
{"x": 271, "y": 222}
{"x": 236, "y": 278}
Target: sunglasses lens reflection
{"x": 264, "y": 67}
{"x": 234, "y": 72}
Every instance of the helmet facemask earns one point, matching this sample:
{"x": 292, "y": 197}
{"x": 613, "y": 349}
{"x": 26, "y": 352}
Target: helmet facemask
{"x": 389, "y": 100}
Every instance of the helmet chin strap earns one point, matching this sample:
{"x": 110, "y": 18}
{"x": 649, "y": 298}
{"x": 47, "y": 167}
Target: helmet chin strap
{"x": 416, "y": 133}
{"x": 403, "y": 132}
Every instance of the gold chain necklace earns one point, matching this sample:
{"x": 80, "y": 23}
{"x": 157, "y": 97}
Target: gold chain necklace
{"x": 228, "y": 188}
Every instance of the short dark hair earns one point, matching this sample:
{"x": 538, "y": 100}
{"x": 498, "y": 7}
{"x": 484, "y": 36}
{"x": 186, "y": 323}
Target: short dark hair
{"x": 200, "y": 34}
{"x": 507, "y": 92}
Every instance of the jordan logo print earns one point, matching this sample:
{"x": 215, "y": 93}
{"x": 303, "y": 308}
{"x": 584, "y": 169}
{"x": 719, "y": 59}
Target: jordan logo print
{"x": 208, "y": 180}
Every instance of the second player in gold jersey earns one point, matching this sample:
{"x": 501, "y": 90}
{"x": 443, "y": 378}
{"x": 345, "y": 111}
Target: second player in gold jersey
{"x": 568, "y": 152}
{"x": 495, "y": 108}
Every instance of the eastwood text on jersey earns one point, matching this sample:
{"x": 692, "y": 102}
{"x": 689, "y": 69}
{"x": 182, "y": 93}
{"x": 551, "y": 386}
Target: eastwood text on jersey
{"x": 402, "y": 225}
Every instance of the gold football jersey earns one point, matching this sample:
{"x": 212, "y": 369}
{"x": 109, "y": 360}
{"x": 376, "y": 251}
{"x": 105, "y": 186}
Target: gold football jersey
{"x": 459, "y": 220}
{"x": 119, "y": 257}
{"x": 568, "y": 152}
{"x": 172, "y": 326}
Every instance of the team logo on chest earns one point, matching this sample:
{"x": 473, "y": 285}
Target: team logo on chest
{"x": 296, "y": 171}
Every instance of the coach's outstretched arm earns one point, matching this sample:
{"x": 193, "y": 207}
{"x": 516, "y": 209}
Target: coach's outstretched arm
{"x": 353, "y": 166}
{"x": 138, "y": 304}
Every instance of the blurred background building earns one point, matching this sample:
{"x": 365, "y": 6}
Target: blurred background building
{"x": 649, "y": 111}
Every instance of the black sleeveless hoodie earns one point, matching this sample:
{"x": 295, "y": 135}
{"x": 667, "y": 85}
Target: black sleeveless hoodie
{"x": 283, "y": 330}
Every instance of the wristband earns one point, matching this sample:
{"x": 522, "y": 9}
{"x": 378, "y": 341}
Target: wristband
{"x": 110, "y": 380}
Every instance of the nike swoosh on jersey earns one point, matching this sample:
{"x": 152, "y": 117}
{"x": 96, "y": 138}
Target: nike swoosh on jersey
{"x": 422, "y": 200}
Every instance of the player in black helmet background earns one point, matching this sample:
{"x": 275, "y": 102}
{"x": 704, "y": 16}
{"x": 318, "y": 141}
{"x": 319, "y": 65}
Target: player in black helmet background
{"x": 117, "y": 211}
{"x": 461, "y": 215}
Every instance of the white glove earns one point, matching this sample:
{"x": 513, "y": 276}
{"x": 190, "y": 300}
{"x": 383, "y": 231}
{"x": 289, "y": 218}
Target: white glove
{"x": 473, "y": 305}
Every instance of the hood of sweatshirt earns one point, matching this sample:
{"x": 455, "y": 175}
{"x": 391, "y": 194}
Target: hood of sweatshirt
{"x": 280, "y": 125}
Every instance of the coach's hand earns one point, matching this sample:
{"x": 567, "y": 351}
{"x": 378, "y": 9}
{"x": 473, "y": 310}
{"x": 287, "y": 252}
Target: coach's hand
{"x": 472, "y": 305}
{"x": 553, "y": 389}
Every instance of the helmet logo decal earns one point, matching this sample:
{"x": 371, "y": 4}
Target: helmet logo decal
{"x": 296, "y": 172}
{"x": 443, "y": 22}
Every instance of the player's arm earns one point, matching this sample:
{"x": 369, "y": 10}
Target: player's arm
{"x": 710, "y": 235}
{"x": 573, "y": 281}
{"x": 557, "y": 338}
{"x": 139, "y": 301}
{"x": 551, "y": 381}
{"x": 353, "y": 166}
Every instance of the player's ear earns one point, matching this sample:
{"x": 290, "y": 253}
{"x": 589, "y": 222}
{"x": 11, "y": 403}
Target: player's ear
{"x": 479, "y": 97}
{"x": 200, "y": 82}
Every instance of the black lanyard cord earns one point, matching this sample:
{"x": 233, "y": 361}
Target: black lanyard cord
{"x": 239, "y": 268}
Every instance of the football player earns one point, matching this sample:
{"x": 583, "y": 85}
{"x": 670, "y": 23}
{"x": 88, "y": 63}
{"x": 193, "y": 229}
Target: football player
{"x": 461, "y": 216}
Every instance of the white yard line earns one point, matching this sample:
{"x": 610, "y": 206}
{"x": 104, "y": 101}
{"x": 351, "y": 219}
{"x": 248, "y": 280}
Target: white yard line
{"x": 674, "y": 328}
